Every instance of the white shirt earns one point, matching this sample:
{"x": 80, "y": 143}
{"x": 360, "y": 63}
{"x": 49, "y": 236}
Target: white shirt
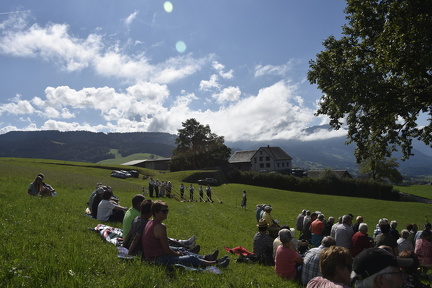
{"x": 105, "y": 210}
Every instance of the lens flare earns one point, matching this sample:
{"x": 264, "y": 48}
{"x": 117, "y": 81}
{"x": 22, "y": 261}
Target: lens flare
{"x": 180, "y": 46}
{"x": 168, "y": 6}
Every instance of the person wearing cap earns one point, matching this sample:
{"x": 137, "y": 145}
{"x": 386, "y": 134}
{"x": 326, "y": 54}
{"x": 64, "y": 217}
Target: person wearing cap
{"x": 299, "y": 220}
{"x": 316, "y": 228}
{"x": 360, "y": 240}
{"x": 263, "y": 244}
{"x": 286, "y": 258}
{"x": 386, "y": 239}
{"x": 335, "y": 266}
{"x": 273, "y": 227}
{"x": 310, "y": 268}
{"x": 377, "y": 268}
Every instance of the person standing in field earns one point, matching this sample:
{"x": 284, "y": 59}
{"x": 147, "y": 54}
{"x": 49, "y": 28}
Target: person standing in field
{"x": 209, "y": 193}
{"x": 191, "y": 192}
{"x": 156, "y": 188}
{"x": 201, "y": 194}
{"x": 151, "y": 186}
{"x": 182, "y": 189}
{"x": 244, "y": 200}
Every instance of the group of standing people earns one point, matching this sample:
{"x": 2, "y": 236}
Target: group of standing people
{"x": 159, "y": 189}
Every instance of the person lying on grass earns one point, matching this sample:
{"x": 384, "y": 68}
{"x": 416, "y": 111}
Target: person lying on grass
{"x": 156, "y": 247}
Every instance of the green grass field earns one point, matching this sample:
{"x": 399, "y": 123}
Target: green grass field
{"x": 424, "y": 191}
{"x": 120, "y": 160}
{"x": 46, "y": 241}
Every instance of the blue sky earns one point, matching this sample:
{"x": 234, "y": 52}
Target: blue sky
{"x": 125, "y": 66}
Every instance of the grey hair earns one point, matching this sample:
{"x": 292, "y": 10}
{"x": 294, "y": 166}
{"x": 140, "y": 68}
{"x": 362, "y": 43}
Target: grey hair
{"x": 405, "y": 233}
{"x": 370, "y": 281}
{"x": 346, "y": 218}
{"x": 393, "y": 224}
{"x": 382, "y": 220}
{"x": 363, "y": 227}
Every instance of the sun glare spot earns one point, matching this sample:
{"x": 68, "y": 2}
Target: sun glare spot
{"x": 180, "y": 46}
{"x": 168, "y": 6}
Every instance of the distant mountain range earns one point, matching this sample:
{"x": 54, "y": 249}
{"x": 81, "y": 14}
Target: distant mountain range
{"x": 94, "y": 147}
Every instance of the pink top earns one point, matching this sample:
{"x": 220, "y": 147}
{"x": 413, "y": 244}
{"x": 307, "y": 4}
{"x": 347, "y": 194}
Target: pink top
{"x": 285, "y": 265}
{"x": 151, "y": 245}
{"x": 320, "y": 282}
{"x": 423, "y": 249}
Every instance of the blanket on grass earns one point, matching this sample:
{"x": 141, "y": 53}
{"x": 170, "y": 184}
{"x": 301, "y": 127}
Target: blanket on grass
{"x": 110, "y": 234}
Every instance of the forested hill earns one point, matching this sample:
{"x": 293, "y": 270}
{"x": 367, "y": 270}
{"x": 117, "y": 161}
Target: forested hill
{"x": 93, "y": 147}
{"x": 83, "y": 146}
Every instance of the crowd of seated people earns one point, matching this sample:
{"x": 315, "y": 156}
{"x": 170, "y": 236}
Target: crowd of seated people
{"x": 326, "y": 253}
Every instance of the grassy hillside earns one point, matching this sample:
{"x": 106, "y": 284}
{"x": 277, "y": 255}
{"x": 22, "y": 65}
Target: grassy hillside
{"x": 46, "y": 241}
{"x": 119, "y": 159}
{"x": 424, "y": 191}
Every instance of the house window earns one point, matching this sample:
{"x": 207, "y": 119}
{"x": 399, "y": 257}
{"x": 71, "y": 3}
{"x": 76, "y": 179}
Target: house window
{"x": 255, "y": 160}
{"x": 267, "y": 158}
{"x": 267, "y": 165}
{"x": 261, "y": 165}
{"x": 260, "y": 159}
{"x": 278, "y": 165}
{"x": 283, "y": 164}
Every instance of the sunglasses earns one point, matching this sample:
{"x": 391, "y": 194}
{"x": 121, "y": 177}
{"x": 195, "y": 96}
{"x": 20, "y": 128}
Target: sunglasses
{"x": 164, "y": 211}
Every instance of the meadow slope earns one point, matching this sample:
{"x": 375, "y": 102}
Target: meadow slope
{"x": 47, "y": 243}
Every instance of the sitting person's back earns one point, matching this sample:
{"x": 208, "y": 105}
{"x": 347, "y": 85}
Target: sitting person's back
{"x": 263, "y": 244}
{"x": 109, "y": 211}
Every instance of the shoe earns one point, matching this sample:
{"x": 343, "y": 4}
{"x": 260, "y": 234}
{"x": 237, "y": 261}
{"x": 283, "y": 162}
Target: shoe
{"x": 223, "y": 264}
{"x": 195, "y": 249}
{"x": 222, "y": 259}
{"x": 212, "y": 257}
{"x": 190, "y": 242}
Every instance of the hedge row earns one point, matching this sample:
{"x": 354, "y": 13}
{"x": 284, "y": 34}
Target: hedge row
{"x": 328, "y": 184}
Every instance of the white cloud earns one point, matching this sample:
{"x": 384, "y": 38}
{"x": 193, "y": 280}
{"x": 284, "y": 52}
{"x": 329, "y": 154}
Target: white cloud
{"x": 128, "y": 21}
{"x": 230, "y": 94}
{"x": 277, "y": 70}
{"x": 220, "y": 69}
{"x": 17, "y": 107}
{"x": 51, "y": 43}
{"x": 55, "y": 44}
{"x": 210, "y": 84}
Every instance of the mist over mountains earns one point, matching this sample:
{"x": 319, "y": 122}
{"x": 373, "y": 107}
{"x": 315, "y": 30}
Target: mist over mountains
{"x": 92, "y": 147}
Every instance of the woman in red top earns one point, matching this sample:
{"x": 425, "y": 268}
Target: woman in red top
{"x": 156, "y": 247}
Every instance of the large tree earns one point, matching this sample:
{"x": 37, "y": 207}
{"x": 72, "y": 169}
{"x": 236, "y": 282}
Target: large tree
{"x": 381, "y": 169}
{"x": 377, "y": 77}
{"x": 197, "y": 147}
